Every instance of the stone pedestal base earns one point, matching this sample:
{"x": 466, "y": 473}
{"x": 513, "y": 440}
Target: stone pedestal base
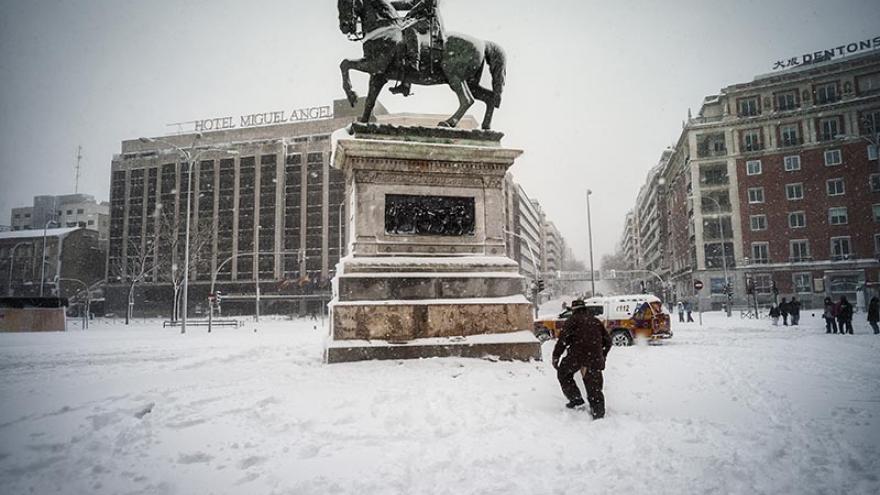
{"x": 427, "y": 273}
{"x": 518, "y": 346}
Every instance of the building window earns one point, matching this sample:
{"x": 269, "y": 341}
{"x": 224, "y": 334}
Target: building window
{"x": 80, "y": 211}
{"x": 794, "y": 192}
{"x": 70, "y": 212}
{"x": 802, "y": 282}
{"x": 840, "y": 248}
{"x": 875, "y": 209}
{"x": 714, "y": 174}
{"x": 753, "y": 167}
{"x": 827, "y": 93}
{"x": 867, "y": 84}
{"x": 797, "y": 220}
{"x": 756, "y": 195}
{"x": 838, "y": 216}
{"x": 829, "y": 128}
{"x": 876, "y": 244}
{"x": 790, "y": 135}
{"x": 799, "y": 250}
{"x": 749, "y": 107}
{"x": 758, "y": 222}
{"x": 835, "y": 187}
{"x": 832, "y": 157}
{"x": 752, "y": 140}
{"x": 872, "y": 152}
{"x": 91, "y": 222}
{"x": 760, "y": 252}
{"x": 786, "y": 100}
{"x": 27, "y": 215}
{"x": 716, "y": 284}
{"x": 874, "y": 180}
{"x": 792, "y": 163}
{"x": 17, "y": 216}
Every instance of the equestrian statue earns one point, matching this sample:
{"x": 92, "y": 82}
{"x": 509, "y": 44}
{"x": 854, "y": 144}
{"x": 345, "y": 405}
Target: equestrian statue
{"x": 414, "y": 49}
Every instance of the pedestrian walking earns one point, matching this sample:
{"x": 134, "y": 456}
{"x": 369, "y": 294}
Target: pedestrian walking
{"x": 874, "y": 314}
{"x": 585, "y": 344}
{"x": 794, "y": 309}
{"x": 783, "y": 310}
{"x": 687, "y": 308}
{"x": 774, "y": 314}
{"x": 830, "y": 315}
{"x": 680, "y": 312}
{"x": 844, "y": 316}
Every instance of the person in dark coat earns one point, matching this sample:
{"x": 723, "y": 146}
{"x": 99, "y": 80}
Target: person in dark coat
{"x": 688, "y": 309}
{"x": 585, "y": 343}
{"x": 844, "y": 316}
{"x": 830, "y": 315}
{"x": 783, "y": 310}
{"x": 874, "y": 314}
{"x": 794, "y": 309}
{"x": 774, "y": 314}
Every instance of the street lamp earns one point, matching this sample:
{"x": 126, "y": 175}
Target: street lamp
{"x": 43, "y": 258}
{"x": 190, "y": 157}
{"x": 590, "y": 239}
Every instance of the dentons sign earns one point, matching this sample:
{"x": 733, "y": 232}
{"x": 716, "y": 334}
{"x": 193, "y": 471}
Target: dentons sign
{"x": 263, "y": 118}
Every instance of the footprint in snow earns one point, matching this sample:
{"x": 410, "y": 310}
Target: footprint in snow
{"x": 251, "y": 461}
{"x": 194, "y": 458}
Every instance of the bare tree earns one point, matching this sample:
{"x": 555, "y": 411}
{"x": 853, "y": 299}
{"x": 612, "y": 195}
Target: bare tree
{"x": 172, "y": 232}
{"x": 134, "y": 268}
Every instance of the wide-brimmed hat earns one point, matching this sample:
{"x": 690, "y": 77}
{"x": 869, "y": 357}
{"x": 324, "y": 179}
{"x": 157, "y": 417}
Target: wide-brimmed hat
{"x": 578, "y": 304}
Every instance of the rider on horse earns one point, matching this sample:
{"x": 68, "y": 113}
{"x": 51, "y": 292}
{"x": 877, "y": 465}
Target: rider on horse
{"x": 427, "y": 24}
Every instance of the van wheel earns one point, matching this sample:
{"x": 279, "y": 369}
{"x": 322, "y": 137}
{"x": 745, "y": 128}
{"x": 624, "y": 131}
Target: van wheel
{"x": 621, "y": 338}
{"x": 543, "y": 334}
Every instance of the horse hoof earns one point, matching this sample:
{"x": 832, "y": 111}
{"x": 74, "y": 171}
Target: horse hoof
{"x": 445, "y": 123}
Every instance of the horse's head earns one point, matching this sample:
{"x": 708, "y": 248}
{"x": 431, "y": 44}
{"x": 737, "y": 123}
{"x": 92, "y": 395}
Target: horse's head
{"x": 348, "y": 16}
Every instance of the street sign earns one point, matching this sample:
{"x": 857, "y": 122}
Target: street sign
{"x": 698, "y": 284}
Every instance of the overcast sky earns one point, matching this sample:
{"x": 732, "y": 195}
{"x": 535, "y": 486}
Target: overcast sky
{"x": 596, "y": 90}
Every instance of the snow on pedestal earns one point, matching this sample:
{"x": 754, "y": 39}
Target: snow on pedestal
{"x": 427, "y": 269}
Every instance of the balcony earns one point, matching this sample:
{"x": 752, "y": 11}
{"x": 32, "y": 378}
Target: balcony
{"x": 843, "y": 257}
{"x": 753, "y": 147}
{"x": 790, "y": 142}
{"x": 800, "y": 259}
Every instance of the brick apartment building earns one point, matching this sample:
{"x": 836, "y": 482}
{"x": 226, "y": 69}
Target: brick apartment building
{"x": 777, "y": 180}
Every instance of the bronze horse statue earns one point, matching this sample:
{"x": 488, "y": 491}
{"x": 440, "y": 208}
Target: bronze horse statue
{"x": 461, "y": 60}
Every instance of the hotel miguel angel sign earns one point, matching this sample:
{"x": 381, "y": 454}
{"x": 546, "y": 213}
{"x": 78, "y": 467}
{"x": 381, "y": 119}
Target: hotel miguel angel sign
{"x": 260, "y": 119}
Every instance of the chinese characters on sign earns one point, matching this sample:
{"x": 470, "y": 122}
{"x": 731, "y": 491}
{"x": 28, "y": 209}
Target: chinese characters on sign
{"x": 823, "y": 55}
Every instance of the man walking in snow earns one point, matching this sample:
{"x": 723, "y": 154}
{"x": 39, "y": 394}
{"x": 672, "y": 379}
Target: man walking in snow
{"x": 783, "y": 310}
{"x": 585, "y": 344}
{"x": 794, "y": 308}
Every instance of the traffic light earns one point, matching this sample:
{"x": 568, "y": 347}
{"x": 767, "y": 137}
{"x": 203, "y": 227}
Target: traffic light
{"x": 540, "y": 285}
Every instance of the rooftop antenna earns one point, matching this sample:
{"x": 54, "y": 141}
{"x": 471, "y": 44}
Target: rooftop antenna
{"x": 78, "y": 161}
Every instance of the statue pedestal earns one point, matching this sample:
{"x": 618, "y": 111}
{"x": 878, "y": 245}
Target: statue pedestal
{"x": 427, "y": 273}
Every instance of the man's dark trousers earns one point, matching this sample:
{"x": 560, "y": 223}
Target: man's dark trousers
{"x": 593, "y": 382}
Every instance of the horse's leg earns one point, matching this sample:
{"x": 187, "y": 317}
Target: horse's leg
{"x": 345, "y": 66}
{"x": 487, "y": 97}
{"x": 465, "y": 100}
{"x": 377, "y": 82}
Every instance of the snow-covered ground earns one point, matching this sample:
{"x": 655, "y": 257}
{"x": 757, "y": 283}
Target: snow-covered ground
{"x": 734, "y": 406}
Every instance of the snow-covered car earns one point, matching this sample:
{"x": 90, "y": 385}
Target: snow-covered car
{"x": 625, "y": 318}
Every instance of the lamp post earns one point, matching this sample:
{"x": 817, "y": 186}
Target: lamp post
{"x": 43, "y": 257}
{"x": 590, "y": 240}
{"x": 11, "y": 265}
{"x": 723, "y": 250}
{"x": 190, "y": 157}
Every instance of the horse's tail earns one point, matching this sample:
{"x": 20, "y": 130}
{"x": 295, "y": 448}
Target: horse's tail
{"x": 498, "y": 68}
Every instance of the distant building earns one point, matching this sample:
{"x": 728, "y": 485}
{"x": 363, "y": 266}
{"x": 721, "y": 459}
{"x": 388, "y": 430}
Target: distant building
{"x": 777, "y": 181}
{"x": 72, "y": 254}
{"x": 69, "y": 210}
